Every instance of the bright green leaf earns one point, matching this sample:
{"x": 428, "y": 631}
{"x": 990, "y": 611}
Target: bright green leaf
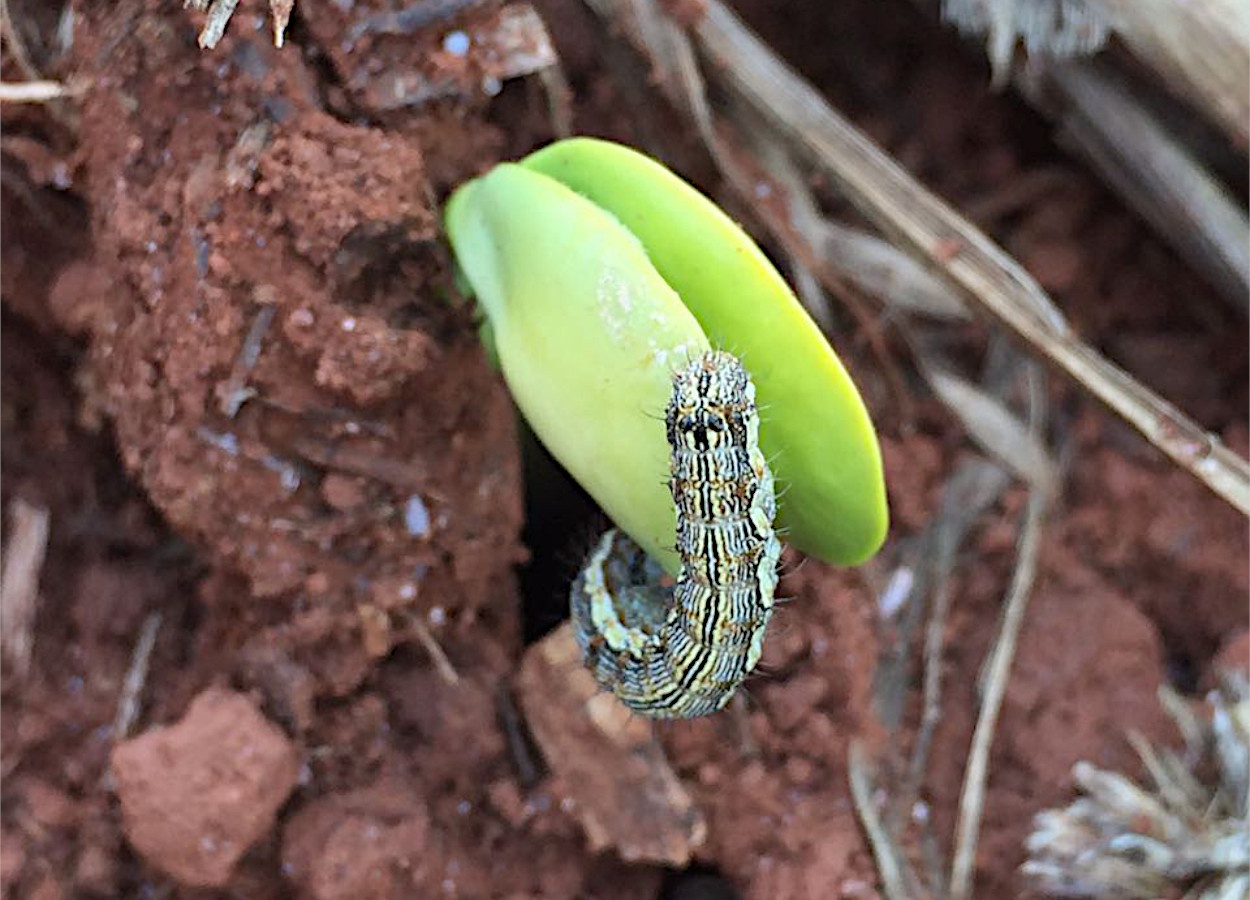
{"x": 584, "y": 293}
{"x": 814, "y": 428}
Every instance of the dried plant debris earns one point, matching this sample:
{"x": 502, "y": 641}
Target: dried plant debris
{"x": 1056, "y": 28}
{"x": 33, "y": 91}
{"x": 220, "y": 11}
{"x": 1181, "y": 837}
{"x": 19, "y": 582}
{"x": 510, "y": 42}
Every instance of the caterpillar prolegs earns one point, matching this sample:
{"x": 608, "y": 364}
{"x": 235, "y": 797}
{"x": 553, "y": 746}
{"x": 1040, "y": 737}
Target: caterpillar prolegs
{"x": 681, "y": 650}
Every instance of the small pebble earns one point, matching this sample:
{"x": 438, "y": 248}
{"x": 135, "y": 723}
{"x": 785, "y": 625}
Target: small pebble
{"x": 456, "y": 43}
{"x": 416, "y": 517}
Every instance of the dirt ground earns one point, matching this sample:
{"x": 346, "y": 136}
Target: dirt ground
{"x": 238, "y": 376}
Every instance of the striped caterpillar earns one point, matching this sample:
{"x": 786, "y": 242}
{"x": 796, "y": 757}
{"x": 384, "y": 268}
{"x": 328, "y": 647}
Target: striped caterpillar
{"x": 681, "y": 651}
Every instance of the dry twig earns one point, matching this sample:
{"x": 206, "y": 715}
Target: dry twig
{"x": 219, "y": 13}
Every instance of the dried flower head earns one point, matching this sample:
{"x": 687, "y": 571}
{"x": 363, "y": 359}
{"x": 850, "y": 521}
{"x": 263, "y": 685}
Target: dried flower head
{"x": 1183, "y": 837}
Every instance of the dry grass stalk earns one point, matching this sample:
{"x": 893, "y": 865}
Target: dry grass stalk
{"x": 972, "y": 797}
{"x": 442, "y": 664}
{"x": 32, "y": 91}
{"x": 129, "y": 703}
{"x": 15, "y": 42}
{"x": 19, "y": 583}
{"x": 995, "y": 428}
{"x": 975, "y": 485}
{"x": 1151, "y": 169}
{"x": 1201, "y": 49}
{"x": 897, "y": 879}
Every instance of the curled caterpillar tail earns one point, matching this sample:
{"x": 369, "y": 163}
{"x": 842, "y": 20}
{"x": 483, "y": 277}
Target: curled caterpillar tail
{"x": 681, "y": 650}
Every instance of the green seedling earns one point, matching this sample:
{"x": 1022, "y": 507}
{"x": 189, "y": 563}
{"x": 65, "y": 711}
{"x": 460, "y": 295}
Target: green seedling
{"x": 599, "y": 273}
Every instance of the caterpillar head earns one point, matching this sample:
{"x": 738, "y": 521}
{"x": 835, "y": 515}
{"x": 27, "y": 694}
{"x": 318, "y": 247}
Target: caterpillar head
{"x": 712, "y": 402}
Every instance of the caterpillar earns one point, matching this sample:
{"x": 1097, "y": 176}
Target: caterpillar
{"x": 681, "y": 650}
